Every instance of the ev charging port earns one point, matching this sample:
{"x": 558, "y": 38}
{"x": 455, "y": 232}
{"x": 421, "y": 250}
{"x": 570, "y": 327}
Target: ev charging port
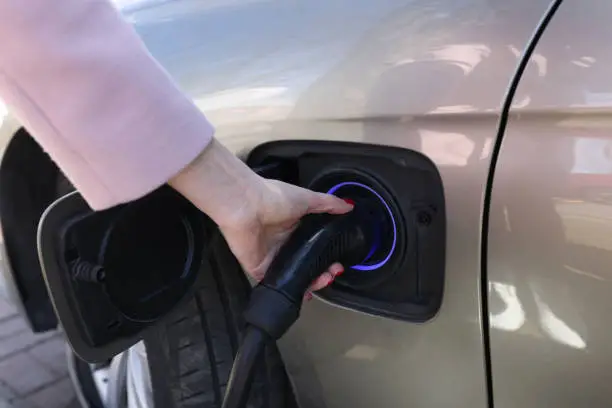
{"x": 403, "y": 275}
{"x": 365, "y": 191}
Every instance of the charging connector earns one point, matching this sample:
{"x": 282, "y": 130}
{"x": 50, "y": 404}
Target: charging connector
{"x": 275, "y": 303}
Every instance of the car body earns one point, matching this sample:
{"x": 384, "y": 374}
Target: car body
{"x": 524, "y": 152}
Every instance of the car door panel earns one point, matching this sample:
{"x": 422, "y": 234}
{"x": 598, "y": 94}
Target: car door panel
{"x": 427, "y": 76}
{"x": 549, "y": 239}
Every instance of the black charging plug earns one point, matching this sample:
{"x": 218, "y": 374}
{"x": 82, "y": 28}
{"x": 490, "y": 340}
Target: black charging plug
{"x": 319, "y": 241}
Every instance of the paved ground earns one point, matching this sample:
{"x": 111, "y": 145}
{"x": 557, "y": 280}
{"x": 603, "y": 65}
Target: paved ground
{"x": 33, "y": 370}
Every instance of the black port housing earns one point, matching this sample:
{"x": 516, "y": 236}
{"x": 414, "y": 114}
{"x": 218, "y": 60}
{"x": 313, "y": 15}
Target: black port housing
{"x": 409, "y": 285}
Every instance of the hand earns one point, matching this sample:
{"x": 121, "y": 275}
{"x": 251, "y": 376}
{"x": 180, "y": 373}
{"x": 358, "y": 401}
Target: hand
{"x": 275, "y": 210}
{"x": 255, "y": 215}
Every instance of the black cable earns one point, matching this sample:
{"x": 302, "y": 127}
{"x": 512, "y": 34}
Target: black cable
{"x": 241, "y": 376}
{"x": 275, "y": 303}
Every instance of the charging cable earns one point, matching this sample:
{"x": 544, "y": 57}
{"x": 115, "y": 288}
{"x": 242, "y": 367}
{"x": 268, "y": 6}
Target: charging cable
{"x": 319, "y": 241}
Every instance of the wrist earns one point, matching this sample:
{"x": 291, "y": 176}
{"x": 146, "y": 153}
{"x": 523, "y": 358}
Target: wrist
{"x": 220, "y": 185}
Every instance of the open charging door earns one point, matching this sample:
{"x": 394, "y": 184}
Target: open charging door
{"x": 113, "y": 274}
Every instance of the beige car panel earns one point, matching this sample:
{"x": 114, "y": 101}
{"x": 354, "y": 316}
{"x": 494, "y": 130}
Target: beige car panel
{"x": 428, "y": 76}
{"x": 550, "y": 241}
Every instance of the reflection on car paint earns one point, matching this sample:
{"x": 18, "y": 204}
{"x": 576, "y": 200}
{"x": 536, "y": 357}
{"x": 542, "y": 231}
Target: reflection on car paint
{"x": 512, "y": 317}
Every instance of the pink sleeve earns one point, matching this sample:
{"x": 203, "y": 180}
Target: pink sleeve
{"x": 82, "y": 82}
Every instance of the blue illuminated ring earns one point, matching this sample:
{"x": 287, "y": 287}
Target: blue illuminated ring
{"x": 371, "y": 190}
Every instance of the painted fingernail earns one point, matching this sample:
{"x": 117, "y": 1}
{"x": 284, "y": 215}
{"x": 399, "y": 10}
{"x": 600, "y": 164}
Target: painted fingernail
{"x": 340, "y": 273}
{"x": 308, "y": 297}
{"x": 349, "y": 201}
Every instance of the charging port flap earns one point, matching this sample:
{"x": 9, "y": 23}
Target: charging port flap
{"x": 403, "y": 275}
{"x": 113, "y": 274}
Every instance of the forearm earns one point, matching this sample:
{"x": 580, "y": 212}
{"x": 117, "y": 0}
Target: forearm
{"x": 221, "y": 185}
{"x": 84, "y": 85}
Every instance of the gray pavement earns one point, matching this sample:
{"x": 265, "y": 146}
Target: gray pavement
{"x": 33, "y": 371}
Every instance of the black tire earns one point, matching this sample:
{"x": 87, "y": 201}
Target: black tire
{"x": 190, "y": 357}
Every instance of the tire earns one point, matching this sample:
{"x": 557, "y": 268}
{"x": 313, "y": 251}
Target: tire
{"x": 190, "y": 357}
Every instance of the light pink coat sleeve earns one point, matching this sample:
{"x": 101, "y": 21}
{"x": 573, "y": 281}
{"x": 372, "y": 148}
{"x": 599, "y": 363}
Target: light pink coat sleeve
{"x": 81, "y": 81}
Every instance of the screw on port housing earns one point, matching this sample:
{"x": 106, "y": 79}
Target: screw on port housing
{"x": 424, "y": 218}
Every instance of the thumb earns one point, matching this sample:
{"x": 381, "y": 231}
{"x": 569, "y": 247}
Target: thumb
{"x": 327, "y": 203}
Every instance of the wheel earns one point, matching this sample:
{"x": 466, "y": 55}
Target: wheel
{"x": 84, "y": 382}
{"x": 122, "y": 382}
{"x": 190, "y": 357}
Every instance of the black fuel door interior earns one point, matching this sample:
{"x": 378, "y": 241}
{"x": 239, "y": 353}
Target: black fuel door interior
{"x": 112, "y": 275}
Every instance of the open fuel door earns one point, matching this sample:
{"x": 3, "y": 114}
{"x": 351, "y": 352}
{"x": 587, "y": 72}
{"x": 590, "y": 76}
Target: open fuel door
{"x": 113, "y": 274}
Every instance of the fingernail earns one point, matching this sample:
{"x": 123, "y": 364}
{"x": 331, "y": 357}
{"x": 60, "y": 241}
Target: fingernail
{"x": 308, "y": 297}
{"x": 349, "y": 201}
{"x": 331, "y": 279}
{"x": 340, "y": 272}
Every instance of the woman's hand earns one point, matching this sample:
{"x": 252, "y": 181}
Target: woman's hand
{"x": 275, "y": 210}
{"x": 254, "y": 214}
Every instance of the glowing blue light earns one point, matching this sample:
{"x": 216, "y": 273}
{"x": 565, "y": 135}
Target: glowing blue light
{"x": 371, "y": 190}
